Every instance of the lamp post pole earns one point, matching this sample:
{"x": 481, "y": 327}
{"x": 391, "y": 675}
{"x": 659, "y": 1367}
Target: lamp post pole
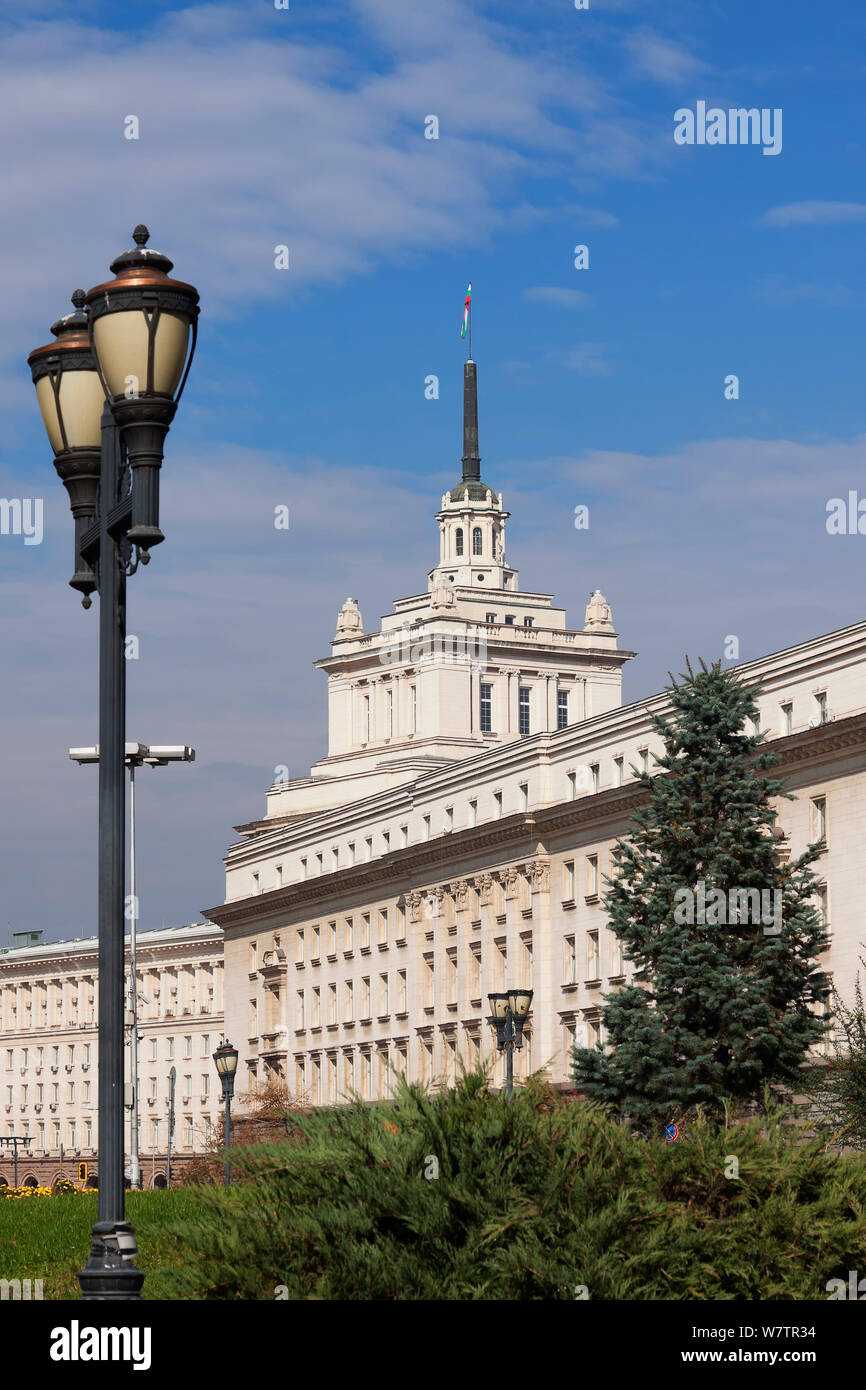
{"x": 106, "y": 392}
{"x": 135, "y": 755}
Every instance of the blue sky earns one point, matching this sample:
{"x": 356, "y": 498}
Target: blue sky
{"x": 305, "y": 127}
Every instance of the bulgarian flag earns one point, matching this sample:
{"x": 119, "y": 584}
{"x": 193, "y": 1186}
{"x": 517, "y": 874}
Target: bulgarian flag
{"x": 466, "y": 306}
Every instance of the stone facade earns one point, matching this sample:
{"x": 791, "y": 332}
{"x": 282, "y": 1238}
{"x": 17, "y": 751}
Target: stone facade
{"x": 456, "y": 838}
{"x": 48, "y": 1051}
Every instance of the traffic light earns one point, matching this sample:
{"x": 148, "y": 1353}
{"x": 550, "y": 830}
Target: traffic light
{"x": 82, "y": 1172}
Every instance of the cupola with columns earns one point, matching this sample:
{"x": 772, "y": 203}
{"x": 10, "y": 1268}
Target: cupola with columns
{"x": 472, "y": 518}
{"x": 471, "y": 663}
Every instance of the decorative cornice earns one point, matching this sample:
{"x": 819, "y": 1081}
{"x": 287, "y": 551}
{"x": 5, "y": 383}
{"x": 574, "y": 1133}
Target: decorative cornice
{"x": 447, "y": 854}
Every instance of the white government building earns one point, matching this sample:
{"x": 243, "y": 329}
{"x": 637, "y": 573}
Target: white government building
{"x": 49, "y": 1001}
{"x": 456, "y": 838}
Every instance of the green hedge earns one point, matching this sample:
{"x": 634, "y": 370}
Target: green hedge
{"x": 532, "y": 1201}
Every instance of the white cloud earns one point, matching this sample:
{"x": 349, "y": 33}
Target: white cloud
{"x": 587, "y": 359}
{"x": 560, "y": 298}
{"x": 662, "y": 59}
{"x": 814, "y": 214}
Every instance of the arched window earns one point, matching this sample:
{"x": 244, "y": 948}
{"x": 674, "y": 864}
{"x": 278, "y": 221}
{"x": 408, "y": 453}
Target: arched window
{"x": 458, "y": 541}
{"x": 476, "y": 540}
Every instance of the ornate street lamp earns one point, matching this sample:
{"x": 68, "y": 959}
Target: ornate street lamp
{"x": 509, "y": 1012}
{"x": 226, "y": 1062}
{"x": 107, "y": 390}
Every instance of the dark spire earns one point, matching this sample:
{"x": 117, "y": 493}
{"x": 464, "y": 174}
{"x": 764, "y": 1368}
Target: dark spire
{"x": 471, "y": 457}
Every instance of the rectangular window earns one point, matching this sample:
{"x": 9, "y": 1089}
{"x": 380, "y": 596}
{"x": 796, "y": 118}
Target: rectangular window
{"x": 335, "y": 858}
{"x": 401, "y": 922}
{"x": 383, "y": 927}
{"x": 170, "y": 1052}
{"x": 317, "y": 1007}
{"x": 365, "y": 931}
{"x": 332, "y": 1003}
{"x": 187, "y": 1046}
{"x": 821, "y": 707}
{"x": 384, "y": 998}
{"x": 351, "y": 851}
{"x": 205, "y": 1085}
{"x": 386, "y": 841}
{"x": 572, "y": 786}
{"x": 497, "y": 801}
{"x": 523, "y": 719}
{"x": 366, "y": 1002}
{"x": 448, "y": 824}
{"x": 595, "y": 776}
{"x": 426, "y": 827}
{"x": 475, "y": 973}
{"x": 819, "y": 818}
{"x": 320, "y": 863}
{"x": 562, "y": 709}
{"x": 389, "y": 713}
{"x": 592, "y": 875}
{"x": 332, "y": 938}
{"x": 367, "y": 719}
{"x": 413, "y": 707}
{"x": 618, "y": 771}
{"x": 404, "y": 836}
{"x": 473, "y": 813}
{"x": 303, "y": 868}
{"x": 527, "y": 622}
{"x": 299, "y": 947}
{"x": 368, "y": 846}
{"x": 509, "y": 619}
{"x": 644, "y": 759}
{"x": 317, "y": 943}
{"x": 349, "y": 936}
{"x": 486, "y": 707}
{"x": 570, "y": 961}
{"x": 299, "y": 1009}
{"x": 524, "y": 796}
{"x": 568, "y": 881}
{"x": 279, "y": 875}
{"x": 618, "y": 961}
{"x": 490, "y": 617}
{"x": 787, "y": 718}
{"x": 253, "y": 958}
{"x": 593, "y": 966}
{"x": 349, "y": 1003}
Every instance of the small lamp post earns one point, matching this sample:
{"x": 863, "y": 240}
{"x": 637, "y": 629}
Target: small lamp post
{"x": 510, "y": 1011}
{"x": 226, "y": 1062}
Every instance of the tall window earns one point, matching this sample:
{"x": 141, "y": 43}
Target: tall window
{"x": 591, "y": 875}
{"x": 568, "y": 881}
{"x": 561, "y": 709}
{"x": 618, "y": 771}
{"x": 593, "y": 964}
{"x": 570, "y": 961}
{"x": 349, "y": 1008}
{"x": 787, "y": 718}
{"x": 367, "y": 719}
{"x": 821, "y": 707}
{"x": 413, "y": 695}
{"x": 486, "y": 708}
{"x": 389, "y": 713}
{"x": 523, "y": 710}
{"x": 458, "y": 541}
{"x": 476, "y": 540}
{"x": 819, "y": 818}
{"x": 595, "y": 776}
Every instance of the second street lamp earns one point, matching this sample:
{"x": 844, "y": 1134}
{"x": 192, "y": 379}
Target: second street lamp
{"x": 136, "y": 755}
{"x": 226, "y": 1062}
{"x": 125, "y": 351}
{"x": 509, "y": 1012}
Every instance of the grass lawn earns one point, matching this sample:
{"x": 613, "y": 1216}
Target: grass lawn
{"x": 48, "y": 1238}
